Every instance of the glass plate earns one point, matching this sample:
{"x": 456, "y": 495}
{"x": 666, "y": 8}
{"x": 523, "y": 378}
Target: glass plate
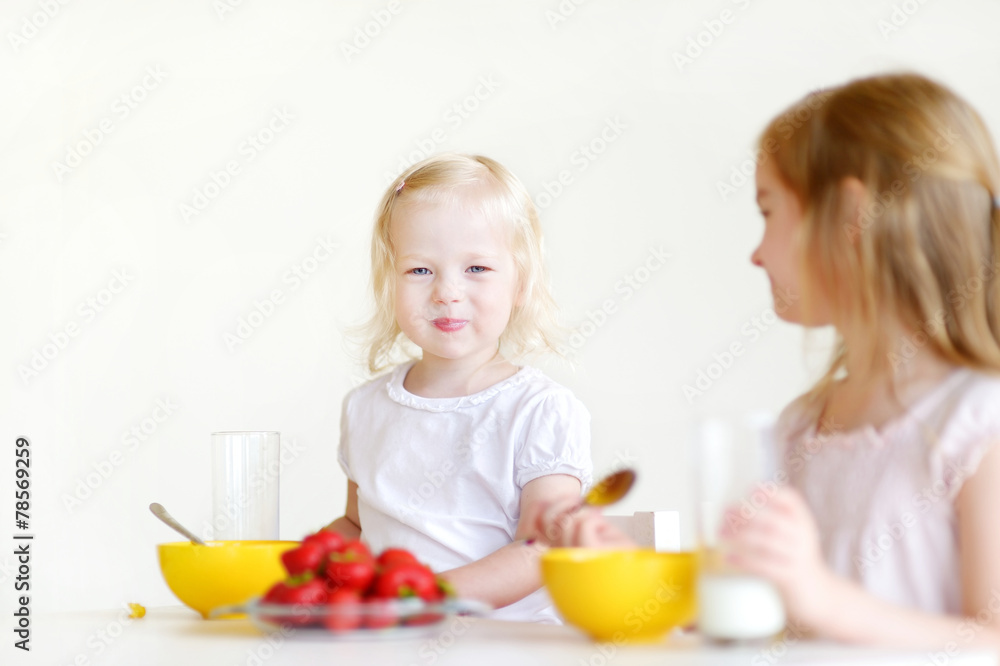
{"x": 389, "y": 619}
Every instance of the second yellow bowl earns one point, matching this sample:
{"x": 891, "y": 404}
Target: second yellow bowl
{"x": 622, "y": 595}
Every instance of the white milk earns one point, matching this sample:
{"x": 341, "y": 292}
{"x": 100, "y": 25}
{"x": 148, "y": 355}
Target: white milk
{"x": 735, "y": 606}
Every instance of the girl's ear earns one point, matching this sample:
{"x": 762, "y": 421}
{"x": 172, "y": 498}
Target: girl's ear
{"x": 854, "y": 198}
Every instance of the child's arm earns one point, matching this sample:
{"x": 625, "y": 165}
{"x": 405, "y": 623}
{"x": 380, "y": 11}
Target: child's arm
{"x": 512, "y": 572}
{"x": 781, "y": 543}
{"x": 563, "y": 523}
{"x": 348, "y": 525}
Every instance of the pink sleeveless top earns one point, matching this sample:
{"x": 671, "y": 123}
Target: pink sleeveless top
{"x": 884, "y": 500}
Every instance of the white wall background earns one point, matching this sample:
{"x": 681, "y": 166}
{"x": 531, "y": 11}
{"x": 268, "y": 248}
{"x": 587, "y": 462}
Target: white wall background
{"x": 225, "y": 69}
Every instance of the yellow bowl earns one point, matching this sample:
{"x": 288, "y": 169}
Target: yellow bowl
{"x": 622, "y": 595}
{"x": 221, "y": 573}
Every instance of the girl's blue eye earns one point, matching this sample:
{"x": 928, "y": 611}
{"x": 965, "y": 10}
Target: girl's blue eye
{"x": 420, "y": 271}
{"x": 478, "y": 269}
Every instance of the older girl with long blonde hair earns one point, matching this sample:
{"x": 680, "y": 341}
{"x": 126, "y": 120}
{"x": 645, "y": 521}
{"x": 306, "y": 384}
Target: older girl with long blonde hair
{"x": 881, "y": 206}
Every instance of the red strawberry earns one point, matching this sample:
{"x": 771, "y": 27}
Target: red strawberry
{"x": 358, "y": 547}
{"x": 391, "y": 556}
{"x": 304, "y": 559}
{"x": 343, "y": 610}
{"x": 349, "y": 570}
{"x": 276, "y": 595}
{"x": 327, "y": 540}
{"x": 407, "y": 580}
{"x": 301, "y": 594}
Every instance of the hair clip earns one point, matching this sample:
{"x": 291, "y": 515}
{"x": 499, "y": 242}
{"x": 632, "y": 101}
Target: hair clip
{"x": 399, "y": 188}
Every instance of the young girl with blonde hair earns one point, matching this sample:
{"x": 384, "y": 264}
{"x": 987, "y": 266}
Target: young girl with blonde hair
{"x": 449, "y": 453}
{"x": 881, "y": 212}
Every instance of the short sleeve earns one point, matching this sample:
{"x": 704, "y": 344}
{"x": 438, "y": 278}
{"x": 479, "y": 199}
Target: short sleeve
{"x": 973, "y": 429}
{"x": 555, "y": 440}
{"x": 343, "y": 449}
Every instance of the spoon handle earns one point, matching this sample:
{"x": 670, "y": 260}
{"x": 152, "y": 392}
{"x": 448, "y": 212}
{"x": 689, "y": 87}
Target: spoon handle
{"x": 162, "y": 514}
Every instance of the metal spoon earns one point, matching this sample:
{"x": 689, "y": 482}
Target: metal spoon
{"x": 162, "y": 514}
{"x": 610, "y": 489}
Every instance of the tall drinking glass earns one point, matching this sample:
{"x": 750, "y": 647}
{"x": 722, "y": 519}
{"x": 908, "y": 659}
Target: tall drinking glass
{"x": 245, "y": 472}
{"x": 733, "y": 457}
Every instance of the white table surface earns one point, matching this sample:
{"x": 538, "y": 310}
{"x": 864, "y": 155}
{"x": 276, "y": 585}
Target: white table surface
{"x": 175, "y": 635}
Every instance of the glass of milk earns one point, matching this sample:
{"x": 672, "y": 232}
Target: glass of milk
{"x": 733, "y": 456}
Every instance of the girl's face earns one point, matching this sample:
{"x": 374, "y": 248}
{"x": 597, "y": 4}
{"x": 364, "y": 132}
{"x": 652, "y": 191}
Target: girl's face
{"x": 778, "y": 252}
{"x": 456, "y": 281}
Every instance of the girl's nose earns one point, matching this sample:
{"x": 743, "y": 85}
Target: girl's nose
{"x": 755, "y": 258}
{"x": 446, "y": 292}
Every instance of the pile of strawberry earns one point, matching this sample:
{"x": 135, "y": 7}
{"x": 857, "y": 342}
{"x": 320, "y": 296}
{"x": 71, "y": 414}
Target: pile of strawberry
{"x": 353, "y": 585}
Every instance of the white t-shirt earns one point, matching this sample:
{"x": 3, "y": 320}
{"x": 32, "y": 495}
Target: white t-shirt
{"x": 442, "y": 477}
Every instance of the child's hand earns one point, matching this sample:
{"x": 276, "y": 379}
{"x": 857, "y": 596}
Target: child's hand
{"x": 781, "y": 543}
{"x": 564, "y": 523}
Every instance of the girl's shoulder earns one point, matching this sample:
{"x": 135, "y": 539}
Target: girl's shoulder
{"x": 969, "y": 413}
{"x": 541, "y": 390}
{"x": 961, "y": 426}
{"x": 977, "y": 395}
